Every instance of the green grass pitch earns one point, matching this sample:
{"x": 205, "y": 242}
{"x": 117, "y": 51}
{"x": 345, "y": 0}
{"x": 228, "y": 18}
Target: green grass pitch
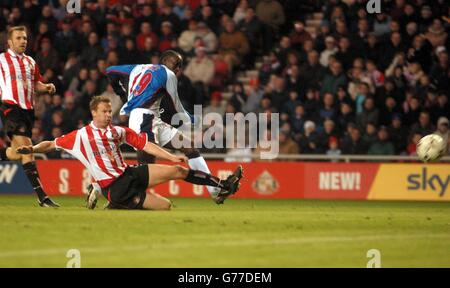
{"x": 241, "y": 233}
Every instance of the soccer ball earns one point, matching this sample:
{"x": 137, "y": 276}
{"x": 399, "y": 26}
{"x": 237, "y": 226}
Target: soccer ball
{"x": 431, "y": 148}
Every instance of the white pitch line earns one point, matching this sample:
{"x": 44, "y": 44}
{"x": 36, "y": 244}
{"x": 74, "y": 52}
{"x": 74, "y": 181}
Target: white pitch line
{"x": 288, "y": 241}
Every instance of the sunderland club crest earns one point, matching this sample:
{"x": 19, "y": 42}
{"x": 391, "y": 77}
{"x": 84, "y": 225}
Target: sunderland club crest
{"x": 265, "y": 184}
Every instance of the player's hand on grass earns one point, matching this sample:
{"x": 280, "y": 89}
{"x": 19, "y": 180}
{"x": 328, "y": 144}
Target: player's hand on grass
{"x": 25, "y": 149}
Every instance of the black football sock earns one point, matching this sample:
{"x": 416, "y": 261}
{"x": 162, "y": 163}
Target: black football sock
{"x": 33, "y": 177}
{"x": 201, "y": 178}
{"x": 3, "y": 156}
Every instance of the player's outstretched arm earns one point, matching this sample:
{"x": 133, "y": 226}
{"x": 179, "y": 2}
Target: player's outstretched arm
{"x": 157, "y": 151}
{"x": 43, "y": 147}
{"x": 118, "y": 77}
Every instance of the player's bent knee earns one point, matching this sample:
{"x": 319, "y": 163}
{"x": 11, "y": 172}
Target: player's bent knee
{"x": 181, "y": 172}
{"x": 156, "y": 202}
{"x": 166, "y": 205}
{"x": 13, "y": 156}
{"x": 162, "y": 204}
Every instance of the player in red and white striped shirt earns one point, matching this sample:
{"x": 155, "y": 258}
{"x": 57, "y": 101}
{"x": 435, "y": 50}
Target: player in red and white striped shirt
{"x": 20, "y": 80}
{"x": 97, "y": 147}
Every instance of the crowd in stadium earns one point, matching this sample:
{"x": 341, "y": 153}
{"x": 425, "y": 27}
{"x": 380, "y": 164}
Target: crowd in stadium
{"x": 361, "y": 84}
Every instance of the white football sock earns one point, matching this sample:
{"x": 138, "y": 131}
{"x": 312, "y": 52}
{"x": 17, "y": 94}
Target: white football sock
{"x": 199, "y": 163}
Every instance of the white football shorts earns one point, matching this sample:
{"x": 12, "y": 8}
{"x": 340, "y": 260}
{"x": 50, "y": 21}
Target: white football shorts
{"x": 158, "y": 131}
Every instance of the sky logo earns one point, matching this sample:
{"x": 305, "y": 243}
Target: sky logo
{"x": 425, "y": 180}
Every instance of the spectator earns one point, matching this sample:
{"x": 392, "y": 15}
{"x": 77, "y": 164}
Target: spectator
{"x": 333, "y": 79}
{"x": 423, "y": 126}
{"x": 346, "y": 116}
{"x": 271, "y": 65}
{"x": 361, "y": 96}
{"x": 330, "y": 49}
{"x": 255, "y": 96}
{"x": 420, "y": 51}
{"x": 56, "y": 122}
{"x": 387, "y": 110}
{"x": 149, "y": 51}
{"x": 391, "y": 48}
{"x": 293, "y": 80}
{"x": 441, "y": 108}
{"x": 311, "y": 141}
{"x": 129, "y": 54}
{"x": 287, "y": 145}
{"x": 240, "y": 11}
{"x": 215, "y": 105}
{"x": 412, "y": 146}
{"x": 398, "y": 134}
{"x": 208, "y": 38}
{"x": 146, "y": 32}
{"x": 180, "y": 8}
{"x": 72, "y": 116}
{"x": 333, "y": 147}
{"x": 381, "y": 24}
{"x": 42, "y": 32}
{"x": 147, "y": 15}
{"x": 47, "y": 57}
{"x": 89, "y": 91}
{"x": 312, "y": 72}
{"x": 370, "y": 114}
{"x": 112, "y": 58}
{"x": 312, "y": 104}
{"x": 200, "y": 71}
{"x": 299, "y": 35}
{"x": 207, "y": 16}
{"x": 298, "y": 121}
{"x": 279, "y": 95}
{"x": 361, "y": 37}
{"x": 412, "y": 111}
{"x": 167, "y": 15}
{"x": 271, "y": 14}
{"x": 345, "y": 55}
{"x": 289, "y": 106}
{"x": 440, "y": 71}
{"x": 30, "y": 12}
{"x": 76, "y": 86}
{"x": 233, "y": 45}
{"x": 239, "y": 97}
{"x": 328, "y": 110}
{"x": 370, "y": 136}
{"x": 329, "y": 130}
{"x": 187, "y": 38}
{"x": 99, "y": 78}
{"x": 354, "y": 145}
{"x": 66, "y": 40}
{"x": 376, "y": 77}
{"x": 444, "y": 132}
{"x": 167, "y": 36}
{"x": 93, "y": 52}
{"x": 251, "y": 27}
{"x": 47, "y": 16}
{"x": 436, "y": 34}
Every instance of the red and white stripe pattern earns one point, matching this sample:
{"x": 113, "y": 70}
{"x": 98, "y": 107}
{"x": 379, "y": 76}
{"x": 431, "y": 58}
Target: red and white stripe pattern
{"x": 18, "y": 75}
{"x": 99, "y": 149}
